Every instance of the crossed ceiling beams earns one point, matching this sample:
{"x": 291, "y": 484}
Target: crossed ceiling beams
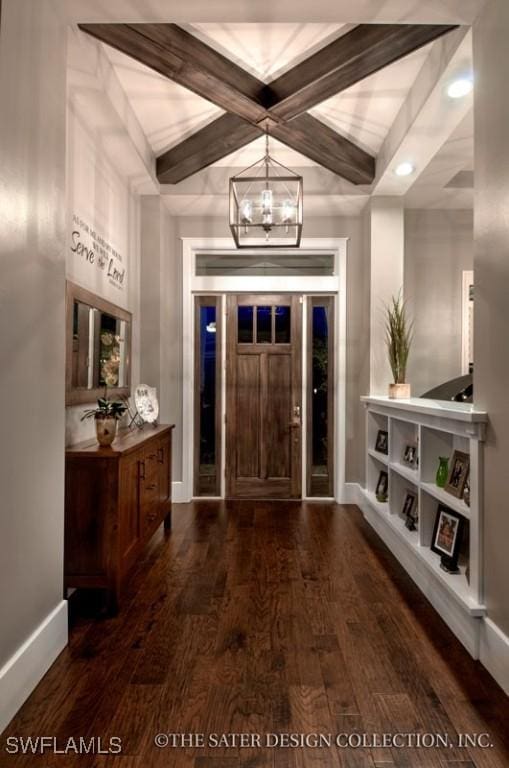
{"x": 251, "y": 106}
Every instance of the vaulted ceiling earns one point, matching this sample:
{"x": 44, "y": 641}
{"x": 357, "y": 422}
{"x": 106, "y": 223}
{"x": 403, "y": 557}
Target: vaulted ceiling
{"x": 280, "y": 106}
{"x": 200, "y": 138}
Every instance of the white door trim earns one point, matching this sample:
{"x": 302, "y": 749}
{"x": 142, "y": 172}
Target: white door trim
{"x": 193, "y": 285}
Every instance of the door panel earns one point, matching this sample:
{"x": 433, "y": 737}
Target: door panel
{"x": 263, "y": 397}
{"x": 278, "y": 415}
{"x": 248, "y": 408}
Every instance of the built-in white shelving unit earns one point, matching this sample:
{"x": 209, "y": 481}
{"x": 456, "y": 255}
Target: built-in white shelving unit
{"x": 436, "y": 428}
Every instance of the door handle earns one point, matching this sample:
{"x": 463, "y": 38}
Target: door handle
{"x": 295, "y": 422}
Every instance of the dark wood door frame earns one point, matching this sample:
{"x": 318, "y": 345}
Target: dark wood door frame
{"x": 233, "y": 427}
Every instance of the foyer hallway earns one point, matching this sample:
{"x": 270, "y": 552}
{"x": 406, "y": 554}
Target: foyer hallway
{"x": 266, "y": 617}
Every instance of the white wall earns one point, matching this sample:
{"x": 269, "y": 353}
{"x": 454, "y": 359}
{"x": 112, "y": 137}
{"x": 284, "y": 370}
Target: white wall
{"x": 32, "y": 348}
{"x": 491, "y": 267}
{"x": 438, "y": 247}
{"x": 161, "y": 316}
{"x": 387, "y": 248}
{"x": 100, "y": 196}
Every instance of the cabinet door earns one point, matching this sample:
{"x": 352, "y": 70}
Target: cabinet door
{"x": 130, "y": 532}
{"x": 164, "y": 459}
{"x": 149, "y": 489}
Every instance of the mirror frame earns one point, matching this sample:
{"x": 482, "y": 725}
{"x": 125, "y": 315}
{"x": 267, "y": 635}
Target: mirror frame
{"x": 79, "y": 395}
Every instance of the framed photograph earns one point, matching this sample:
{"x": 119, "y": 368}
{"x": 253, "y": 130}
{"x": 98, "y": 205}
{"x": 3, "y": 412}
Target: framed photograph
{"x": 446, "y": 539}
{"x": 382, "y": 487}
{"x": 458, "y": 474}
{"x": 409, "y": 510}
{"x": 382, "y": 441}
{"x": 410, "y": 455}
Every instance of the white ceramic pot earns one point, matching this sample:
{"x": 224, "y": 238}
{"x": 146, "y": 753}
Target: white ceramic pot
{"x": 399, "y": 391}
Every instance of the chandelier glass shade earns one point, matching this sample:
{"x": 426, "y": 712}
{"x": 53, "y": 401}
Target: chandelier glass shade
{"x": 266, "y": 205}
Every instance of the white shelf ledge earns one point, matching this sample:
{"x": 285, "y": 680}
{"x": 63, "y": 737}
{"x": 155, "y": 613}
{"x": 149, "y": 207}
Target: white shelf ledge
{"x": 382, "y": 457}
{"x": 382, "y": 507}
{"x": 409, "y": 474}
{"x": 447, "y": 498}
{"x": 442, "y": 408}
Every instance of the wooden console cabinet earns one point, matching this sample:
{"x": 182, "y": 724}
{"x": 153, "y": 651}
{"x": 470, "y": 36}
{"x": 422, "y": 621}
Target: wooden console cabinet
{"x": 115, "y": 499}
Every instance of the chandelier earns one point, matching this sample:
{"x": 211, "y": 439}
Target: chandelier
{"x": 266, "y": 205}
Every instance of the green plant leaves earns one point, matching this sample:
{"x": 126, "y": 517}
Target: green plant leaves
{"x": 399, "y": 334}
{"x": 106, "y": 408}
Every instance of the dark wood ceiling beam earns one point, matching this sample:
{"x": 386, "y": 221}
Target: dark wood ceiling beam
{"x": 228, "y": 133}
{"x": 174, "y": 53}
{"x": 320, "y": 143}
{"x": 218, "y": 139}
{"x": 364, "y": 50}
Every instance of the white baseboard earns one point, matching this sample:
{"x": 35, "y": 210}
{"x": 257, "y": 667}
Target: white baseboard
{"x": 350, "y": 495}
{"x": 494, "y": 653}
{"x": 24, "y": 670}
{"x": 177, "y": 493}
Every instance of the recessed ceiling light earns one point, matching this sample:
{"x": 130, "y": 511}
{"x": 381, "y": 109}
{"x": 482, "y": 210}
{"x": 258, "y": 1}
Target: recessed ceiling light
{"x": 404, "y": 169}
{"x": 460, "y": 87}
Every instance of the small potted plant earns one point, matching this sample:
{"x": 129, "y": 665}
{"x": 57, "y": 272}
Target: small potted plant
{"x": 399, "y": 340}
{"x": 106, "y": 416}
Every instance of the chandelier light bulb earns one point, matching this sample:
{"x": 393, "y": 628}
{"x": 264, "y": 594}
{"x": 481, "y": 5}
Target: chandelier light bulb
{"x": 247, "y": 212}
{"x": 267, "y": 202}
{"x": 288, "y": 211}
{"x": 287, "y": 214}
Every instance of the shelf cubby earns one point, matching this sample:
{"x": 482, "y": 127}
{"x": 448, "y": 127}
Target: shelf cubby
{"x": 375, "y": 466}
{"x": 402, "y": 433}
{"x": 376, "y": 422}
{"x": 437, "y": 429}
{"x": 399, "y": 486}
{"x": 437, "y": 443}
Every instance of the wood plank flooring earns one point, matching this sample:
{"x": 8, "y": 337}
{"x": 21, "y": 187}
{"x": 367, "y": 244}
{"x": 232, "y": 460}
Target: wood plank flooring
{"x": 266, "y": 618}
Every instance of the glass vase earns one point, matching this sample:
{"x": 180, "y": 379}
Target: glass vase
{"x": 442, "y": 471}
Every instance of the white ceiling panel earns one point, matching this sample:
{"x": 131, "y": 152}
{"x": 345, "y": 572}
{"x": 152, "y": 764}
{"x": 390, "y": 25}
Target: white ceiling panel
{"x": 167, "y": 112}
{"x": 267, "y": 50}
{"x": 365, "y": 112}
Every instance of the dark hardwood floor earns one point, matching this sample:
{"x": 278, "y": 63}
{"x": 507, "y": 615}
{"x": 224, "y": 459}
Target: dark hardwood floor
{"x": 259, "y": 617}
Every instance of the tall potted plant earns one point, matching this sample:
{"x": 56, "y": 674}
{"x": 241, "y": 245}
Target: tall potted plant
{"x": 106, "y": 416}
{"x": 399, "y": 340}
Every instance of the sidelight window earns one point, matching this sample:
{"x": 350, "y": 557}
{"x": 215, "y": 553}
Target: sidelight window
{"x": 320, "y": 396}
{"x": 207, "y": 396}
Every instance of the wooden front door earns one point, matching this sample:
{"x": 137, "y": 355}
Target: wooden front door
{"x": 263, "y": 397}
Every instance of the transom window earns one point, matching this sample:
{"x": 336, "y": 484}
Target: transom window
{"x": 293, "y": 264}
